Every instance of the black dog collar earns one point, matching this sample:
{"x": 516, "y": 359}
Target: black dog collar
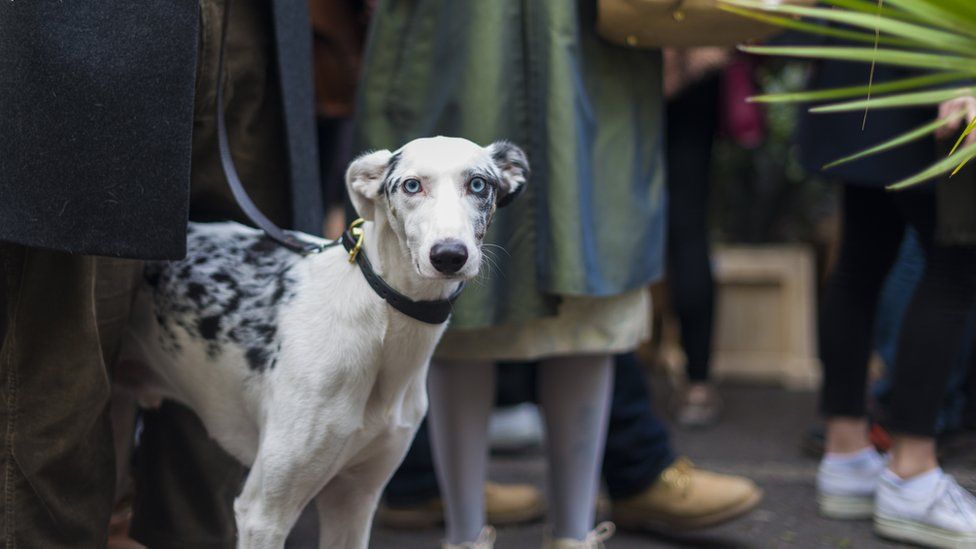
{"x": 431, "y": 312}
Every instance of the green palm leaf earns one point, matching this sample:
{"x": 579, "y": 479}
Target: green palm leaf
{"x": 917, "y": 99}
{"x": 942, "y": 167}
{"x": 813, "y": 28}
{"x": 935, "y": 36}
{"x": 906, "y": 84}
{"x": 909, "y": 137}
{"x": 900, "y": 58}
{"x": 914, "y": 33}
{"x": 939, "y": 13}
{"x": 872, "y": 7}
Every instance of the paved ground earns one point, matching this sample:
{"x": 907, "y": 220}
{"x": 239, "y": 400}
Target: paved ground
{"x": 759, "y": 438}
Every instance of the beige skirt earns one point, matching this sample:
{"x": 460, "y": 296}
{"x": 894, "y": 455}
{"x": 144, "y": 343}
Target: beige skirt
{"x": 583, "y": 325}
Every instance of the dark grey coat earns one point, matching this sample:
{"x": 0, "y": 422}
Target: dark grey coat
{"x": 96, "y": 119}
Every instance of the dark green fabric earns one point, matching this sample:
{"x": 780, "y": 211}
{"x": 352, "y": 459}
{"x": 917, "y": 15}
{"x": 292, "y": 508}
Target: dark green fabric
{"x": 588, "y": 114}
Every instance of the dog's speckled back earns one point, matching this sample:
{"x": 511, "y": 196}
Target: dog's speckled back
{"x": 226, "y": 291}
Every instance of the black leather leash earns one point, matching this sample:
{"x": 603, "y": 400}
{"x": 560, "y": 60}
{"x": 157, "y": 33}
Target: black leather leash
{"x": 431, "y": 312}
{"x": 287, "y": 239}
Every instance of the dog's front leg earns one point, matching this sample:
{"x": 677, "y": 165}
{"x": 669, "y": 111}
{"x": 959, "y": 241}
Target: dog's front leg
{"x": 346, "y": 504}
{"x": 289, "y": 470}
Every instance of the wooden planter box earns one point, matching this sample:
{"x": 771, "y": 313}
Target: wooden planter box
{"x": 765, "y": 318}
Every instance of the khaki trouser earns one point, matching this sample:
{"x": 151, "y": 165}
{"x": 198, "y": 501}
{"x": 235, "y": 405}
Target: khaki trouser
{"x": 57, "y": 462}
{"x": 61, "y": 320}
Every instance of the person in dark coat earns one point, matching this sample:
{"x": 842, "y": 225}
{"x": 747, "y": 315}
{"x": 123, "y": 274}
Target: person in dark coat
{"x": 107, "y": 112}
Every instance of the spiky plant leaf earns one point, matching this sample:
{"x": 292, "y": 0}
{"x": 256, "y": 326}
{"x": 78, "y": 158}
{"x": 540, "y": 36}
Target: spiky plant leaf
{"x": 912, "y": 83}
{"x": 919, "y": 35}
{"x": 915, "y": 99}
{"x": 909, "y": 137}
{"x": 937, "y": 37}
{"x": 940, "y": 168}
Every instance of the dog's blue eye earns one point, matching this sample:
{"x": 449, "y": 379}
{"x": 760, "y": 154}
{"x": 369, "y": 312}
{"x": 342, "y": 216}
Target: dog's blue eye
{"x": 477, "y": 185}
{"x": 412, "y": 186}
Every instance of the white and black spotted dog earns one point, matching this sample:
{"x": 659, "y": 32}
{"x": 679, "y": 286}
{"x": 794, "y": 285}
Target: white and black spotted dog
{"x": 295, "y": 365}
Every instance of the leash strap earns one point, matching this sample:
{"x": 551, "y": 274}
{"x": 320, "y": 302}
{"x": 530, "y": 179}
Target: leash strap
{"x": 431, "y": 312}
{"x": 285, "y": 238}
{"x": 293, "y": 51}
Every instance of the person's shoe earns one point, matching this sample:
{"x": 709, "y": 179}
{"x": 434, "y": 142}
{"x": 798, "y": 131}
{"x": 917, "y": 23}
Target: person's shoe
{"x": 686, "y": 498}
{"x": 593, "y": 540}
{"x": 505, "y": 505}
{"x": 515, "y": 429}
{"x": 930, "y": 510}
{"x": 486, "y": 540}
{"x": 420, "y": 516}
{"x": 846, "y": 484}
{"x": 697, "y": 406}
{"x": 508, "y": 504}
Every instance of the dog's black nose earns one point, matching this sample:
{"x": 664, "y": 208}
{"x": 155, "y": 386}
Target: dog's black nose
{"x": 448, "y": 256}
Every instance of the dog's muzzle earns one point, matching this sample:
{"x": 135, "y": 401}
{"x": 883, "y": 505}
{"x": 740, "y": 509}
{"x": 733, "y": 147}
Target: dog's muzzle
{"x": 448, "y": 256}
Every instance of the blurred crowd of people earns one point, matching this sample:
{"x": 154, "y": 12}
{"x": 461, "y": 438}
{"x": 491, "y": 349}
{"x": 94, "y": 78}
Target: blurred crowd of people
{"x": 620, "y": 143}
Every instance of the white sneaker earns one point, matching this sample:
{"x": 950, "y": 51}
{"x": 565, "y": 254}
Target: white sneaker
{"x": 515, "y": 428}
{"x": 594, "y": 539}
{"x": 486, "y": 540}
{"x": 846, "y": 484}
{"x": 946, "y": 517}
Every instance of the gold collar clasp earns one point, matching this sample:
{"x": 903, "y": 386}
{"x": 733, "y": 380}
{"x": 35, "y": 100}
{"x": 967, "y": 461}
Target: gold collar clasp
{"x": 357, "y": 232}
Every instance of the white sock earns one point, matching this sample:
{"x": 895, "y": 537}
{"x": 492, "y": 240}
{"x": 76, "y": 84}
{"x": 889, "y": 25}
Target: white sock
{"x": 853, "y": 474}
{"x": 866, "y": 459}
{"x": 918, "y": 486}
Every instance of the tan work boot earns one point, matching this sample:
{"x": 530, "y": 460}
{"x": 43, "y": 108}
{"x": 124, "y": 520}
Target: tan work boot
{"x": 486, "y": 540}
{"x": 686, "y": 498}
{"x": 593, "y": 540}
{"x": 505, "y": 505}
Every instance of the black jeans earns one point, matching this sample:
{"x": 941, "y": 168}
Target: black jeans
{"x": 934, "y": 325}
{"x": 692, "y": 121}
{"x": 638, "y": 447}
{"x": 415, "y": 481}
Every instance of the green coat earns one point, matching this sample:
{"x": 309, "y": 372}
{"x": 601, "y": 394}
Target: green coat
{"x": 588, "y": 114}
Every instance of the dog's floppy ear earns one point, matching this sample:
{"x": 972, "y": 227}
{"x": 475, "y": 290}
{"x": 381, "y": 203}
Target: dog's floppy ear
{"x": 514, "y": 165}
{"x": 364, "y": 179}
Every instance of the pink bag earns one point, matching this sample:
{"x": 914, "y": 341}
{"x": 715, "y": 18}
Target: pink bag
{"x": 741, "y": 121}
